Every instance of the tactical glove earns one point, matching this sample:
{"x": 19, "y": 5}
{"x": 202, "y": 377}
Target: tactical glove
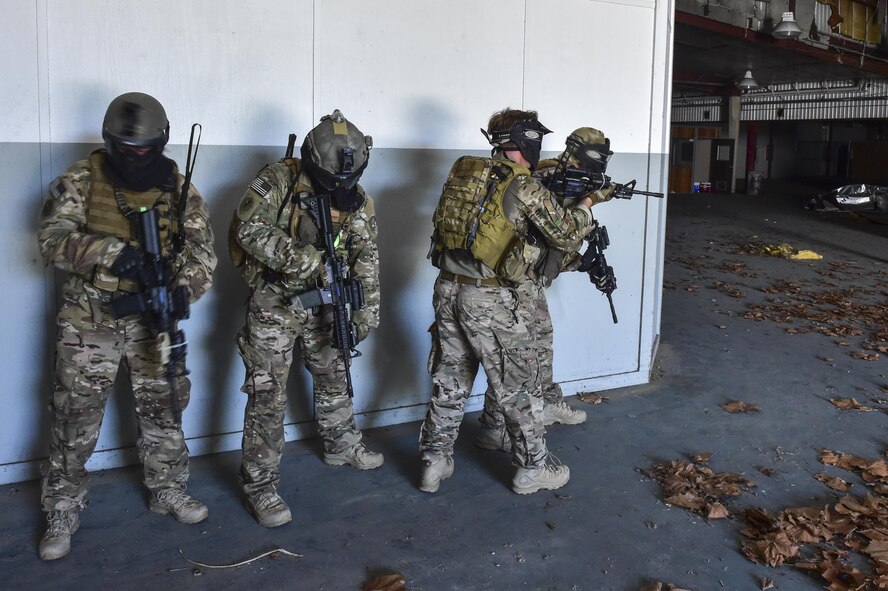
{"x": 129, "y": 262}
{"x": 361, "y": 331}
{"x": 603, "y": 195}
{"x": 588, "y": 261}
{"x": 603, "y": 278}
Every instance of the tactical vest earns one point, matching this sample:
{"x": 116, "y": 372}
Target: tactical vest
{"x": 105, "y": 217}
{"x": 470, "y": 214}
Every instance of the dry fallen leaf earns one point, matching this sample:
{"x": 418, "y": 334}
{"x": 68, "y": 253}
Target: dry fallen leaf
{"x": 392, "y": 582}
{"x": 767, "y": 471}
{"x": 658, "y": 586}
{"x": 716, "y": 511}
{"x": 865, "y": 356}
{"x": 590, "y": 398}
{"x": 686, "y": 501}
{"x": 825, "y": 358}
{"x": 834, "y": 483}
{"x": 766, "y": 583}
{"x": 702, "y": 457}
{"x": 740, "y": 406}
{"x": 850, "y": 404}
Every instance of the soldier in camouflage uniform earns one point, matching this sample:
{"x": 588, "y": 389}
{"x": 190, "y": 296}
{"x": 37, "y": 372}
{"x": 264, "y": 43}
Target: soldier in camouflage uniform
{"x": 587, "y": 148}
{"x": 282, "y": 260}
{"x": 489, "y": 224}
{"x": 84, "y": 230}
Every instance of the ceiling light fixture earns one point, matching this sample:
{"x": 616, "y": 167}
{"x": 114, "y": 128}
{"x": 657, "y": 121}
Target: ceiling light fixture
{"x": 788, "y": 28}
{"x": 748, "y": 83}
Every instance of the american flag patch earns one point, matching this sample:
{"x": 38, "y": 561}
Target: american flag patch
{"x": 58, "y": 188}
{"x": 261, "y": 186}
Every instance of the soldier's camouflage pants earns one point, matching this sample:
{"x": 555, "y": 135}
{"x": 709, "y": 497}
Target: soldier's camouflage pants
{"x": 266, "y": 345}
{"x": 89, "y": 350}
{"x": 492, "y": 416}
{"x": 490, "y": 326}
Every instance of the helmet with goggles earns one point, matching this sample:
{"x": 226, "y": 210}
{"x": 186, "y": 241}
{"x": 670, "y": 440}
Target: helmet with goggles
{"x": 587, "y": 148}
{"x": 135, "y": 131}
{"x": 335, "y": 154}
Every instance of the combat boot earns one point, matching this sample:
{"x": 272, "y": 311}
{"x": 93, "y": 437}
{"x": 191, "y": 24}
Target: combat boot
{"x": 60, "y": 526}
{"x": 494, "y": 439}
{"x": 562, "y": 413}
{"x": 176, "y": 501}
{"x": 357, "y": 456}
{"x": 547, "y": 476}
{"x": 268, "y": 508}
{"x": 433, "y": 472}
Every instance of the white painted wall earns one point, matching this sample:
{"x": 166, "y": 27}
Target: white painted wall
{"x": 421, "y": 76}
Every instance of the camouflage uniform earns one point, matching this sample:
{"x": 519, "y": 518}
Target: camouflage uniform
{"x": 280, "y": 236}
{"x": 494, "y": 326}
{"x": 552, "y": 262}
{"x": 536, "y": 307}
{"x": 91, "y": 344}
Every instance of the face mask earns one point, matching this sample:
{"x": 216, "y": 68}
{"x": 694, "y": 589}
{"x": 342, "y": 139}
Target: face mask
{"x": 138, "y": 172}
{"x": 346, "y": 199}
{"x": 593, "y": 157}
{"x": 526, "y": 136}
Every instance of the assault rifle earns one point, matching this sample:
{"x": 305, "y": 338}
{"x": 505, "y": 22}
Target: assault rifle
{"x": 160, "y": 307}
{"x": 341, "y": 292}
{"x": 573, "y": 183}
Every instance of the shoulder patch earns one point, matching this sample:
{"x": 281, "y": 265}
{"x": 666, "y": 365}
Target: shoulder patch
{"x": 248, "y": 206}
{"x": 260, "y": 186}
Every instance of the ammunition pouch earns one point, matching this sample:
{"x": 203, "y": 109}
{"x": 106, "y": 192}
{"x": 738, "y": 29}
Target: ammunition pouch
{"x": 518, "y": 259}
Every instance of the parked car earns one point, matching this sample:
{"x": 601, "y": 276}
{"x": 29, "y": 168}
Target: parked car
{"x": 869, "y": 201}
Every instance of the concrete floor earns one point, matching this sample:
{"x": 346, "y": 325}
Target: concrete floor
{"x": 607, "y": 529}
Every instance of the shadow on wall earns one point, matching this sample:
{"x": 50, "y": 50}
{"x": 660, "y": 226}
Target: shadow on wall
{"x": 231, "y": 295}
{"x": 407, "y": 184}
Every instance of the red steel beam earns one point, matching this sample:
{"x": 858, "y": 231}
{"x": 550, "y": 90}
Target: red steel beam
{"x": 832, "y": 55}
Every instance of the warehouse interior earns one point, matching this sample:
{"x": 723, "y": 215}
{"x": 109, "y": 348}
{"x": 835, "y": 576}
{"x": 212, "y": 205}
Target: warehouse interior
{"x": 799, "y": 96}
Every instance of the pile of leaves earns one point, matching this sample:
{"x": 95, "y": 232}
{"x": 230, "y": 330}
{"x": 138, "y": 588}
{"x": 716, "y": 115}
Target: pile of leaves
{"x": 824, "y": 539}
{"x": 853, "y": 524}
{"x": 695, "y": 486}
{"x": 836, "y": 313}
{"x": 873, "y": 472}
